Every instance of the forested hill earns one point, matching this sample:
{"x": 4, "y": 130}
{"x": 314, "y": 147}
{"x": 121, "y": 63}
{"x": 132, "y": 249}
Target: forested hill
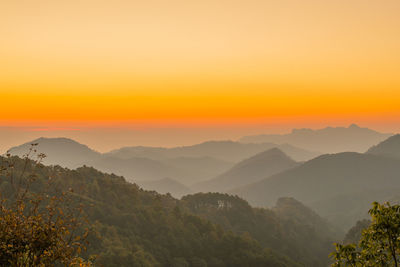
{"x": 287, "y": 228}
{"x": 141, "y": 228}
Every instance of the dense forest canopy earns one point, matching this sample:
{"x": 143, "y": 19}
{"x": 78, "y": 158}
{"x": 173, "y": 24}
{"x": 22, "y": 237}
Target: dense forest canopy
{"x": 134, "y": 227}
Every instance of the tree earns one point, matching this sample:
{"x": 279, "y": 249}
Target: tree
{"x": 37, "y": 228}
{"x": 380, "y": 241}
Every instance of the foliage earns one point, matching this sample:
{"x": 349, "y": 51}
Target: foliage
{"x": 141, "y": 228}
{"x": 287, "y": 229}
{"x": 37, "y": 229}
{"x": 134, "y": 227}
{"x": 380, "y": 242}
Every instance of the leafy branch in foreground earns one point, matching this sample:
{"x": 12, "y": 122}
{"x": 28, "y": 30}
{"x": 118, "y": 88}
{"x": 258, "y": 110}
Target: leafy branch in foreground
{"x": 38, "y": 228}
{"x": 379, "y": 244}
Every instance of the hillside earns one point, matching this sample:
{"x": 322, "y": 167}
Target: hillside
{"x": 340, "y": 186}
{"x": 166, "y": 185}
{"x": 388, "y": 148}
{"x": 287, "y": 228}
{"x": 249, "y": 171}
{"x": 141, "y": 228}
{"x": 327, "y": 140}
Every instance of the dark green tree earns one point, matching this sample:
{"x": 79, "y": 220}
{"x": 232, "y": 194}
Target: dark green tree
{"x": 37, "y": 228}
{"x": 380, "y": 241}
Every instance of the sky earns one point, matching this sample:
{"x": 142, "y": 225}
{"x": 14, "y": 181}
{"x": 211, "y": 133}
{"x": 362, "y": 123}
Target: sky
{"x": 176, "y": 72}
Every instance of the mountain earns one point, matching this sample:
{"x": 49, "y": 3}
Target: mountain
{"x": 187, "y": 165}
{"x": 288, "y": 228}
{"x": 340, "y": 187}
{"x": 355, "y": 233}
{"x": 69, "y": 153}
{"x": 184, "y": 170}
{"x": 228, "y": 151}
{"x": 297, "y": 153}
{"x": 135, "y": 227}
{"x": 156, "y": 153}
{"x": 388, "y": 148}
{"x": 135, "y": 169}
{"x": 248, "y": 171}
{"x": 59, "y": 151}
{"x": 327, "y": 140}
{"x": 197, "y": 169}
{"x": 166, "y": 185}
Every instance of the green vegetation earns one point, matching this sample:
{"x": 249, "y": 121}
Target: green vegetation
{"x": 380, "y": 241}
{"x": 134, "y": 227}
{"x": 37, "y": 229}
{"x": 287, "y": 229}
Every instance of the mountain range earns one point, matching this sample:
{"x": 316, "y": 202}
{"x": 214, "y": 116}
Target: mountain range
{"x": 326, "y": 140}
{"x": 248, "y": 171}
{"x": 339, "y": 187}
{"x": 186, "y": 165}
{"x": 224, "y": 150}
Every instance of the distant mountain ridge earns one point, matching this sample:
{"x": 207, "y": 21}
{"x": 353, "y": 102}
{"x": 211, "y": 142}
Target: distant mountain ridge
{"x": 224, "y": 150}
{"x": 59, "y": 151}
{"x": 248, "y": 171}
{"x": 326, "y": 140}
{"x": 135, "y": 168}
{"x": 338, "y": 186}
{"x": 71, "y": 154}
{"x": 389, "y": 148}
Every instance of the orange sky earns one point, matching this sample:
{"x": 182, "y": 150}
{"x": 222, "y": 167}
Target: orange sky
{"x": 160, "y": 64}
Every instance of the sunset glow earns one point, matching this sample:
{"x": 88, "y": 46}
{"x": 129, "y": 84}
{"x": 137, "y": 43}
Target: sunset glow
{"x": 199, "y": 63}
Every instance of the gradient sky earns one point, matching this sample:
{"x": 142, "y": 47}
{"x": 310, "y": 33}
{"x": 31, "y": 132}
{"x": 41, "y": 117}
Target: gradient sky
{"x": 178, "y": 68}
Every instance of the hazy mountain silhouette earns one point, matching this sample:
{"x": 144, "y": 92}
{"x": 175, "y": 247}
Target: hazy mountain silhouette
{"x": 69, "y": 153}
{"x": 224, "y": 150}
{"x": 389, "y": 148}
{"x": 135, "y": 169}
{"x": 185, "y": 170}
{"x": 340, "y": 187}
{"x": 327, "y": 140}
{"x": 59, "y": 151}
{"x": 156, "y": 153}
{"x": 166, "y": 185}
{"x": 198, "y": 168}
{"x": 249, "y": 171}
